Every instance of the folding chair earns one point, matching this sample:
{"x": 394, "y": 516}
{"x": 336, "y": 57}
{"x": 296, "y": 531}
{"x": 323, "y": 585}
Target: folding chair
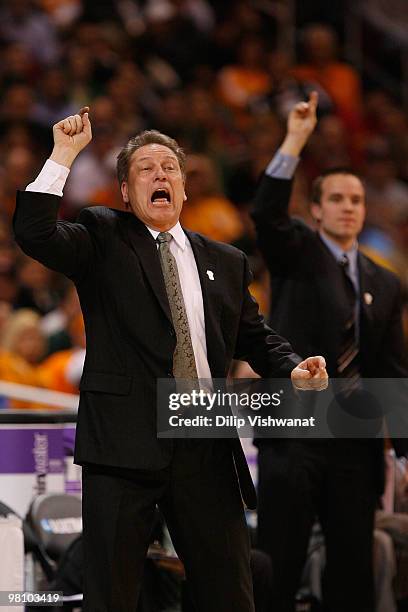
{"x": 56, "y": 519}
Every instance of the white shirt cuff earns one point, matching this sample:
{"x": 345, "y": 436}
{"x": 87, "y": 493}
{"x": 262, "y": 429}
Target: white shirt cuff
{"x": 51, "y": 179}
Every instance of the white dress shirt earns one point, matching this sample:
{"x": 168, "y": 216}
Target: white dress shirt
{"x": 193, "y": 298}
{"x": 52, "y": 179}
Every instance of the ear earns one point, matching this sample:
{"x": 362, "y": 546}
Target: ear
{"x": 184, "y": 197}
{"x": 125, "y": 194}
{"x": 316, "y": 211}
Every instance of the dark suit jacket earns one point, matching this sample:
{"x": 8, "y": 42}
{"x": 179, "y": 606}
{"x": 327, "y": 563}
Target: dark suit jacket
{"x": 309, "y": 305}
{"x": 113, "y": 260}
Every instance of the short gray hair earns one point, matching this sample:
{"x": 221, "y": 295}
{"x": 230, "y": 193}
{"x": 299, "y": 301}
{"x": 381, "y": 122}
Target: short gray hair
{"x": 142, "y": 139}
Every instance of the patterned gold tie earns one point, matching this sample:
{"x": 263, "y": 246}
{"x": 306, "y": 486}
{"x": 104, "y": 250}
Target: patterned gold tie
{"x": 184, "y": 365}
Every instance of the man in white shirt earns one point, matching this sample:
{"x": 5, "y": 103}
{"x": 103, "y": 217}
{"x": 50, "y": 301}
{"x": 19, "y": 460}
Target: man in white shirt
{"x": 158, "y": 301}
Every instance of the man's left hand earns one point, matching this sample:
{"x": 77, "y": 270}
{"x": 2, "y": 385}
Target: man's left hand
{"x": 310, "y": 375}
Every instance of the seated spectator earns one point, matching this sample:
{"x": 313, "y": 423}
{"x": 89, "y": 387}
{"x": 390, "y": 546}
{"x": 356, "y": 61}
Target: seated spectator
{"x": 22, "y": 348}
{"x": 55, "y": 324}
{"x": 36, "y": 289}
{"x": 328, "y": 148}
{"x": 263, "y": 136}
{"x": 286, "y": 90}
{"x": 63, "y": 369}
{"x": 169, "y": 32}
{"x": 211, "y": 128}
{"x": 395, "y": 130}
{"x": 108, "y": 195}
{"x": 207, "y": 210}
{"x": 62, "y": 12}
{"x": 18, "y": 169}
{"x": 132, "y": 97}
{"x": 238, "y": 18}
{"x": 340, "y": 80}
{"x": 16, "y": 112}
{"x": 82, "y": 83}
{"x": 18, "y": 66}
{"x": 54, "y": 102}
{"x": 386, "y": 194}
{"x": 387, "y": 210}
{"x": 240, "y": 82}
{"x": 392, "y": 521}
{"x": 199, "y": 11}
{"x": 8, "y": 251}
{"x": 21, "y": 22}
{"x": 5, "y": 313}
{"x": 103, "y": 42}
{"x": 170, "y": 116}
{"x": 8, "y": 281}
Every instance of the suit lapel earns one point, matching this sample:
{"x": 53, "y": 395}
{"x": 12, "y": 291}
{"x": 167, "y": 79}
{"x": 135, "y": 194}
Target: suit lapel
{"x": 143, "y": 244}
{"x": 367, "y": 289}
{"x": 211, "y": 290}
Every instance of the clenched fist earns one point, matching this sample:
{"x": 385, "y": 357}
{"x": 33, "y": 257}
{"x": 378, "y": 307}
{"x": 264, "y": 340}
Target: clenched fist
{"x": 71, "y": 135}
{"x": 310, "y": 375}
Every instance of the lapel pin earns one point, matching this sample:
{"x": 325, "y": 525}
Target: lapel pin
{"x": 210, "y": 274}
{"x": 368, "y": 298}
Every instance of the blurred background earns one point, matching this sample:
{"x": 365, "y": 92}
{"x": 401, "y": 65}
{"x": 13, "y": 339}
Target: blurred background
{"x": 220, "y": 77}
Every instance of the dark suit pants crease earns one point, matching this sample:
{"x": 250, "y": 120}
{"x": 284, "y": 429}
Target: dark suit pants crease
{"x": 198, "y": 494}
{"x": 334, "y": 481}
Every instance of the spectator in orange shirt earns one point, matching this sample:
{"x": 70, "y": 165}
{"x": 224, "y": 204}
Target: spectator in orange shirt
{"x": 22, "y": 348}
{"x": 248, "y": 78}
{"x": 63, "y": 369}
{"x": 207, "y": 210}
{"x": 340, "y": 80}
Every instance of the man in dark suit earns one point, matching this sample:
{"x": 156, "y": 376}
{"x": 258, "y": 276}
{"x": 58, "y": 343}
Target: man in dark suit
{"x": 327, "y": 297}
{"x": 158, "y": 302}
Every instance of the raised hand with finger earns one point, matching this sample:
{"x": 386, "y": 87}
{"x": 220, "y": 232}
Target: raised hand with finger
{"x": 301, "y": 123}
{"x": 71, "y": 135}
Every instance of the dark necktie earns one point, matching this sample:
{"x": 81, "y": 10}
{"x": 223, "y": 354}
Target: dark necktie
{"x": 184, "y": 365}
{"x": 348, "y": 362}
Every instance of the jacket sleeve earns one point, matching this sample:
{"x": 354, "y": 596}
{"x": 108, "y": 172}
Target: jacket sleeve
{"x": 280, "y": 237}
{"x": 394, "y": 373}
{"x": 268, "y": 354}
{"x": 394, "y": 364}
{"x": 66, "y": 247}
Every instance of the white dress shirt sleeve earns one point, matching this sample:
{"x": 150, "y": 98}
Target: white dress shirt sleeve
{"x": 51, "y": 179}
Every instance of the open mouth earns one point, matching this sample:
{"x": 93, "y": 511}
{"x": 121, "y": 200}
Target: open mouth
{"x": 160, "y": 196}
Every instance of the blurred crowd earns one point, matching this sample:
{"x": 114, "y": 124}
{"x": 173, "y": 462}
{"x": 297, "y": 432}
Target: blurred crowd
{"x": 214, "y": 75}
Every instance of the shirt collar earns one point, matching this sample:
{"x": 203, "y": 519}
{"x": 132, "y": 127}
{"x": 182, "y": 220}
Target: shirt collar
{"x": 338, "y": 252}
{"x": 176, "y": 231}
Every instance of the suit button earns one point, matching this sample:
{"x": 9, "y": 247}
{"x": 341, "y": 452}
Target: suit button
{"x": 169, "y": 374}
{"x": 172, "y": 332}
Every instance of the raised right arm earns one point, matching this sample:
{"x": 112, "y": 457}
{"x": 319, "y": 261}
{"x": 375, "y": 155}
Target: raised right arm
{"x": 62, "y": 246}
{"x": 280, "y": 236}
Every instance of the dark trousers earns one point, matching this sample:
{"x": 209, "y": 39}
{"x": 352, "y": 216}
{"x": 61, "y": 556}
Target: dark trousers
{"x": 199, "y": 497}
{"x": 334, "y": 481}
